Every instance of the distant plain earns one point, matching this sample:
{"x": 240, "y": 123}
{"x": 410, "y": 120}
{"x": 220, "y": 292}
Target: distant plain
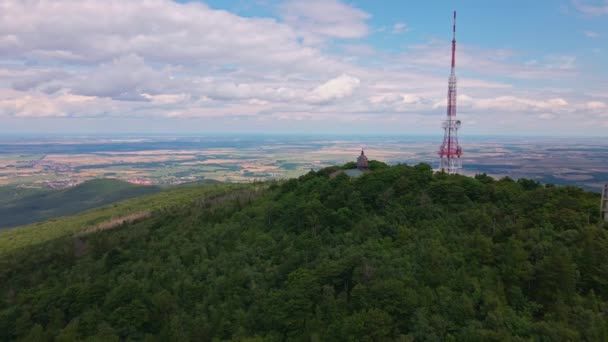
{"x": 174, "y": 160}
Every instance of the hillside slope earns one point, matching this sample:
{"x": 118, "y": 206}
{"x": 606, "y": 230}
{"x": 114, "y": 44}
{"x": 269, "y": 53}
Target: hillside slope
{"x": 399, "y": 254}
{"x": 34, "y": 206}
{"x": 33, "y": 236}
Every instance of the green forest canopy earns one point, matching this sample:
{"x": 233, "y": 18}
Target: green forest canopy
{"x": 19, "y": 206}
{"x": 399, "y": 254}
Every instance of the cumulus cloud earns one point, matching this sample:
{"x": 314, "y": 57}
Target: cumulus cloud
{"x": 166, "y": 99}
{"x": 594, "y": 105}
{"x": 334, "y": 89}
{"x": 400, "y": 102}
{"x": 90, "y": 31}
{"x": 30, "y": 105}
{"x": 318, "y": 19}
{"x": 36, "y": 104}
{"x": 261, "y": 90}
{"x": 312, "y": 62}
{"x": 125, "y": 78}
{"x": 45, "y": 80}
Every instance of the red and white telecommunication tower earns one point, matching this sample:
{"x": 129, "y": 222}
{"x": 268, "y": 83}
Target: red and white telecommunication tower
{"x": 450, "y": 150}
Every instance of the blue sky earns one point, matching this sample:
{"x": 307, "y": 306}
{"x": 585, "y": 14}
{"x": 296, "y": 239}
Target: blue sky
{"x": 343, "y": 67}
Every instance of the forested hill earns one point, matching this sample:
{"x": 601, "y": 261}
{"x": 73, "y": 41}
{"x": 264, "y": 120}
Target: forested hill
{"x": 20, "y": 206}
{"x": 399, "y": 254}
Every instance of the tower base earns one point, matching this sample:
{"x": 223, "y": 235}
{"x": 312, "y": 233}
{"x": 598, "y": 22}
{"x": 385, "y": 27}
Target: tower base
{"x": 450, "y": 165}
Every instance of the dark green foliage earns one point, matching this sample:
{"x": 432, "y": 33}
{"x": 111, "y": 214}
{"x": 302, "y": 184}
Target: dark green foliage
{"x": 377, "y": 165}
{"x": 349, "y": 165}
{"x": 398, "y": 254}
{"x": 24, "y": 206}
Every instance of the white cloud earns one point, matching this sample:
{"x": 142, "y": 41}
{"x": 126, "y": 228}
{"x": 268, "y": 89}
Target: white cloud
{"x": 159, "y": 58}
{"x": 37, "y": 104}
{"x": 400, "y": 28}
{"x": 334, "y": 89}
{"x": 258, "y": 102}
{"x": 547, "y": 116}
{"x": 560, "y": 62}
{"x": 318, "y": 19}
{"x": 401, "y": 103}
{"x": 394, "y": 98}
{"x": 125, "y": 78}
{"x": 167, "y": 99}
{"x": 593, "y": 10}
{"x": 226, "y": 89}
{"x": 90, "y": 31}
{"x": 411, "y": 99}
{"x": 509, "y": 103}
{"x": 512, "y": 103}
{"x": 593, "y": 105}
{"x": 492, "y": 62}
{"x": 591, "y": 34}
{"x": 43, "y": 79}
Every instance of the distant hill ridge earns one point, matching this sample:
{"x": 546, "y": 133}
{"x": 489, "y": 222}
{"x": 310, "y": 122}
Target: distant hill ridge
{"x": 398, "y": 254}
{"x": 37, "y": 206}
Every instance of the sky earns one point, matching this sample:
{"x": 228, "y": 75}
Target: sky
{"x": 303, "y": 67}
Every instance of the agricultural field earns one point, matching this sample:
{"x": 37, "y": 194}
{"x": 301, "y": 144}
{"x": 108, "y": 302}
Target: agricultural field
{"x": 63, "y": 162}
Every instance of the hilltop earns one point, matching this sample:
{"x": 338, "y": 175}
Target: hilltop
{"x": 20, "y": 206}
{"x": 398, "y": 254}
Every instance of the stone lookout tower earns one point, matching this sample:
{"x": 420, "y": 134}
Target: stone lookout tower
{"x": 362, "y": 162}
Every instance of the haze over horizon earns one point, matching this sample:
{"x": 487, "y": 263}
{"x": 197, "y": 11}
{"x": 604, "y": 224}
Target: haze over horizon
{"x": 343, "y": 67}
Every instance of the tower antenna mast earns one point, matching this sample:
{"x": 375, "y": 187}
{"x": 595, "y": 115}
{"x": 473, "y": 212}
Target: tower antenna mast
{"x": 450, "y": 150}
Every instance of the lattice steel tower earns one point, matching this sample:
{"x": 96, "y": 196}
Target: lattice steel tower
{"x": 450, "y": 150}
